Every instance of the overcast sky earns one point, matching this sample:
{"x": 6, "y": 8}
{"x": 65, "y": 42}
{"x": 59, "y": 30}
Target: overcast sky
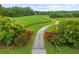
{"x": 46, "y": 7}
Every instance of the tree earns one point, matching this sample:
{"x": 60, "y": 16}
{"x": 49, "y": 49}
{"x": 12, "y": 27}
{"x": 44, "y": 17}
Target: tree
{"x": 16, "y": 11}
{"x": 0, "y": 6}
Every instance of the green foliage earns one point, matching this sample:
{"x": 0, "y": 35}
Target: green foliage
{"x": 61, "y": 14}
{"x": 65, "y": 33}
{"x": 9, "y": 30}
{"x": 0, "y": 6}
{"x": 23, "y": 37}
{"x": 25, "y": 11}
{"x": 58, "y": 14}
{"x": 16, "y": 11}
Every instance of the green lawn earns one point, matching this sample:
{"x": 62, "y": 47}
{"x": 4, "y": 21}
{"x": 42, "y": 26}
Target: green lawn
{"x": 27, "y": 20}
{"x": 50, "y": 49}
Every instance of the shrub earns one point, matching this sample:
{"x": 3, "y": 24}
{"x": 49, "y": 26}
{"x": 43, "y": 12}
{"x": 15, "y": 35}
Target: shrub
{"x": 22, "y": 38}
{"x": 65, "y": 33}
{"x": 11, "y": 30}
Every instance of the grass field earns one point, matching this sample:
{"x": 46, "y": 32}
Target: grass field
{"x": 50, "y": 49}
{"x": 27, "y": 20}
{"x": 36, "y": 22}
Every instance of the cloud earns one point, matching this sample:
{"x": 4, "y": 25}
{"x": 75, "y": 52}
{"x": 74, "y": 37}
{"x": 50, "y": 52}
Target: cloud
{"x": 63, "y": 7}
{"x": 47, "y": 7}
{"x": 54, "y": 7}
{"x": 39, "y": 1}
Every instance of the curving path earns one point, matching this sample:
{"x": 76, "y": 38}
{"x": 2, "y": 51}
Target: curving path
{"x": 38, "y": 47}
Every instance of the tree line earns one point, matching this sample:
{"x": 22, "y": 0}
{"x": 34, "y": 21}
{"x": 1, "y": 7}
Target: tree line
{"x": 26, "y": 11}
{"x": 59, "y": 14}
{"x": 16, "y": 11}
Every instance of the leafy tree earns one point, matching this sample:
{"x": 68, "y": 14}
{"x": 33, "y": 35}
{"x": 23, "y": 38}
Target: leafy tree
{"x": 0, "y": 6}
{"x": 16, "y": 11}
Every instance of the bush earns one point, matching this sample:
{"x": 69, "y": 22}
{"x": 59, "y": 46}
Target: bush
{"x": 9, "y": 30}
{"x": 65, "y": 33}
{"x": 22, "y": 38}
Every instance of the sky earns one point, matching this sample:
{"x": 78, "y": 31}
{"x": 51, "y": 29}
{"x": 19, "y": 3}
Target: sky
{"x": 39, "y": 1}
{"x": 47, "y": 7}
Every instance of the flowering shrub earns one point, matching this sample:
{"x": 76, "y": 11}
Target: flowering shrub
{"x": 12, "y": 32}
{"x": 22, "y": 38}
{"x": 65, "y": 33}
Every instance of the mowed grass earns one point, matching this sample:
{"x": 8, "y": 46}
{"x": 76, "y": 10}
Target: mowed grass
{"x": 27, "y": 20}
{"x": 50, "y": 49}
